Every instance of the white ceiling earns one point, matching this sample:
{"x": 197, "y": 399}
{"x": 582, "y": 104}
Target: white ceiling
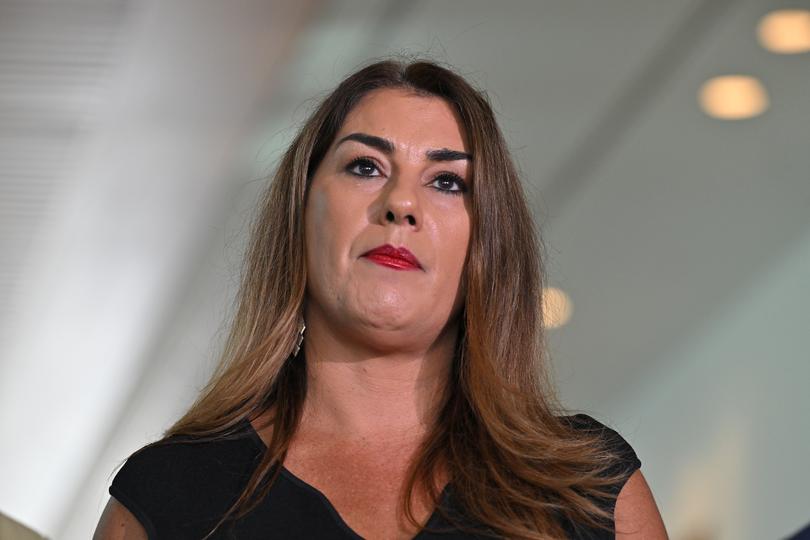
{"x": 134, "y": 135}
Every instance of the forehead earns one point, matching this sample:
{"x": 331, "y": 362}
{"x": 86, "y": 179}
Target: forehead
{"x": 407, "y": 119}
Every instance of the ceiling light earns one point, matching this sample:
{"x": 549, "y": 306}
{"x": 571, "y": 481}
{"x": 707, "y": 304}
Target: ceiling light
{"x": 556, "y": 307}
{"x": 786, "y": 31}
{"x": 733, "y": 97}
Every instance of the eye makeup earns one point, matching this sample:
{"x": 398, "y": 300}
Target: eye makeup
{"x": 366, "y": 163}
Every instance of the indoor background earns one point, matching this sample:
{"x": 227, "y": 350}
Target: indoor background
{"x": 664, "y": 147}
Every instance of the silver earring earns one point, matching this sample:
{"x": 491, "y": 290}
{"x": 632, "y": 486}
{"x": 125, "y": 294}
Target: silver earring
{"x": 300, "y": 338}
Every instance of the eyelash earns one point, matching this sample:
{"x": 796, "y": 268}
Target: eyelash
{"x": 444, "y": 175}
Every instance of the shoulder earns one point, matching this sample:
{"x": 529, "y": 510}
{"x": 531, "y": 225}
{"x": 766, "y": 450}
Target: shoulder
{"x": 636, "y": 514}
{"x": 118, "y": 523}
{"x": 181, "y": 480}
{"x": 626, "y": 460}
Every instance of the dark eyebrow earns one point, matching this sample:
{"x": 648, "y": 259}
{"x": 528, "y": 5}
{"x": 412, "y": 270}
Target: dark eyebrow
{"x": 447, "y": 155}
{"x": 387, "y": 147}
{"x": 383, "y": 145}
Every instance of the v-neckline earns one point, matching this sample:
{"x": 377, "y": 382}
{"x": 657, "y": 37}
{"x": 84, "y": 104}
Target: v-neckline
{"x": 257, "y": 440}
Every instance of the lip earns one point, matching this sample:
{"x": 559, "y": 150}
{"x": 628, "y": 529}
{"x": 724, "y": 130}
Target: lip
{"x": 388, "y": 255}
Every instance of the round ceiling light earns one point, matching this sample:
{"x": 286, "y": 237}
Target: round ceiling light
{"x": 733, "y": 97}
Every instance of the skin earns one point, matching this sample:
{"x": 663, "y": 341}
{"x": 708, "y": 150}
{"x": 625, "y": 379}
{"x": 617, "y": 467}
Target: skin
{"x": 118, "y": 523}
{"x": 379, "y": 341}
{"x": 636, "y": 515}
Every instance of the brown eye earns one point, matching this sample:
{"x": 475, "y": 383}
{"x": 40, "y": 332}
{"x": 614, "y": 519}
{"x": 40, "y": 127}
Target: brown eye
{"x": 362, "y": 167}
{"x": 447, "y": 180}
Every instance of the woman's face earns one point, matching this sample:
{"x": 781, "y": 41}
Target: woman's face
{"x": 397, "y": 173}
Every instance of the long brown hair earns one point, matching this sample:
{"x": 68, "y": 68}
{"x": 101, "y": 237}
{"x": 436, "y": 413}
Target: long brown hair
{"x": 516, "y": 467}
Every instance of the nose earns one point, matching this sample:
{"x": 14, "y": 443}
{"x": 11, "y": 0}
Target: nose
{"x": 391, "y": 217}
{"x": 401, "y": 204}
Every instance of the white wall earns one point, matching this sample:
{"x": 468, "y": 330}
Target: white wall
{"x": 722, "y": 431}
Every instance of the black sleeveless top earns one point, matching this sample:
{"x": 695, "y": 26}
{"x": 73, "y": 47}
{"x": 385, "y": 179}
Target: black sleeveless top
{"x": 180, "y": 490}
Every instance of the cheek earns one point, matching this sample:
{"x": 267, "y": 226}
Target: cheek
{"x": 318, "y": 238}
{"x": 454, "y": 243}
{"x": 331, "y": 224}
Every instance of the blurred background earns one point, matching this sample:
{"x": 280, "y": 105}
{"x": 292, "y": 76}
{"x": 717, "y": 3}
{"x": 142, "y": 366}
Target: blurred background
{"x": 665, "y": 150}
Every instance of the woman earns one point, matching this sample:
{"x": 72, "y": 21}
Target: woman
{"x": 385, "y": 376}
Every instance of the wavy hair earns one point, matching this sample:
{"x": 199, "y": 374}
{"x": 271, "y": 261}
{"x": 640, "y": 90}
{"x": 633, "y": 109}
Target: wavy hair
{"x": 517, "y": 468}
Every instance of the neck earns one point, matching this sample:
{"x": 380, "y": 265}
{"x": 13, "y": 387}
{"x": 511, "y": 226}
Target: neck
{"x": 381, "y": 393}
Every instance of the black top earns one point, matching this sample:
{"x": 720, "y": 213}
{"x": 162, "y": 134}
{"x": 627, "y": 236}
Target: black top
{"x": 180, "y": 491}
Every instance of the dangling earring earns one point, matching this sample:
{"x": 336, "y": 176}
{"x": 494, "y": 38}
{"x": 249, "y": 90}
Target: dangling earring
{"x": 300, "y": 338}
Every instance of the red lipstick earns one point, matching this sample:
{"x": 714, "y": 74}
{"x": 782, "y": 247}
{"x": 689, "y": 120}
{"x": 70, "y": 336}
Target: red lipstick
{"x": 388, "y": 255}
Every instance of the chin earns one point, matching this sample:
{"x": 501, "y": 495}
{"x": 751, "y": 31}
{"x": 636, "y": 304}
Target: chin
{"x": 388, "y": 320}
